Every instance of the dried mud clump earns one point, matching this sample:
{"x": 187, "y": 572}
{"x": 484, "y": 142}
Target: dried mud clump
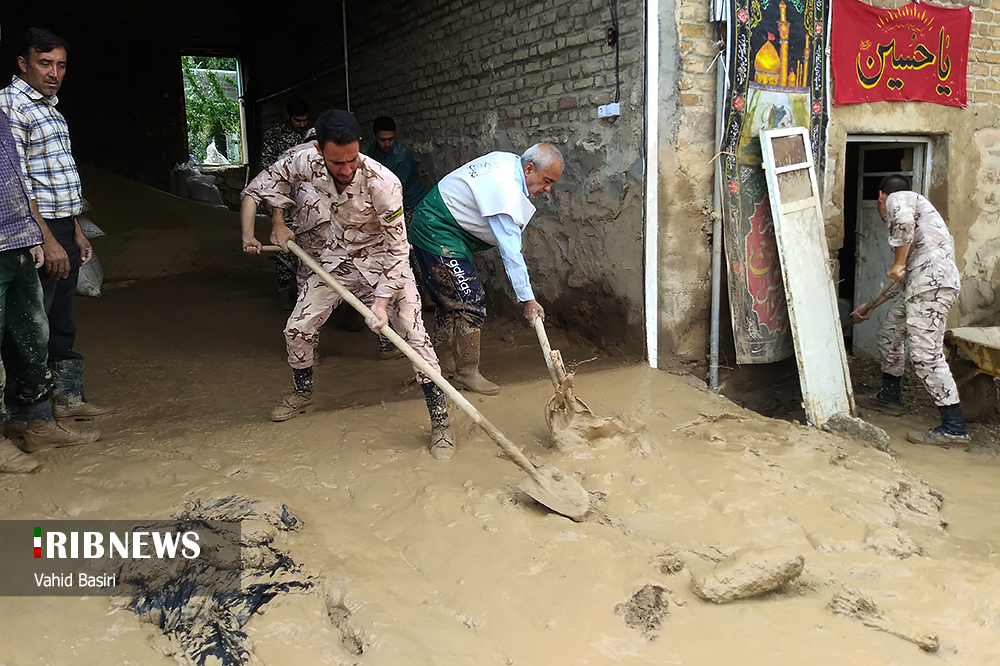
{"x": 645, "y": 610}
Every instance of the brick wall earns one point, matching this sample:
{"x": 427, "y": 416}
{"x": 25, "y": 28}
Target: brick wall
{"x": 465, "y": 77}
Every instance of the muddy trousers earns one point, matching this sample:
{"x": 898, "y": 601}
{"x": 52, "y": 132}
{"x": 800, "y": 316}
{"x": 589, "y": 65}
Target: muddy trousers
{"x": 25, "y": 379}
{"x": 316, "y": 301}
{"x": 919, "y": 322}
{"x": 456, "y": 289}
{"x": 60, "y": 295}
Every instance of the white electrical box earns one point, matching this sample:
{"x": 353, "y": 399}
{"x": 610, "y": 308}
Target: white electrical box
{"x": 609, "y": 110}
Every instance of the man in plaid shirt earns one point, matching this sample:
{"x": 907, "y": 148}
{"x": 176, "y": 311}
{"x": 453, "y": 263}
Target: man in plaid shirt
{"x": 52, "y": 181}
{"x": 23, "y": 328}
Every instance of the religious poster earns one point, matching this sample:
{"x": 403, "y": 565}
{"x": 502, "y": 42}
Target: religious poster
{"x": 917, "y": 52}
{"x": 776, "y": 79}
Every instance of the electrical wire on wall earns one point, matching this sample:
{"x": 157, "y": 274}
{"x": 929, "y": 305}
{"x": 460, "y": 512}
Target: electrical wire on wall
{"x": 613, "y": 41}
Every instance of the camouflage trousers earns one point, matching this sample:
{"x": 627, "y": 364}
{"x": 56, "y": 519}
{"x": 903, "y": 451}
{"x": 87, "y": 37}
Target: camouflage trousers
{"x": 919, "y": 323}
{"x": 316, "y": 301}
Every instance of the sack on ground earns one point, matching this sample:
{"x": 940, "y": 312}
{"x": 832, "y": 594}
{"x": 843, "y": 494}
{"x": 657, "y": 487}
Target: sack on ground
{"x": 89, "y": 229}
{"x": 91, "y": 277}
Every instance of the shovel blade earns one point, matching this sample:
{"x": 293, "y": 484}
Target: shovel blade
{"x": 559, "y": 492}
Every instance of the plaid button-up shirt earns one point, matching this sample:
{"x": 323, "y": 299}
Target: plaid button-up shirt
{"x": 42, "y": 138}
{"x": 17, "y": 226}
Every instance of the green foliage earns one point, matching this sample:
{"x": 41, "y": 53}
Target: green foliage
{"x": 210, "y": 112}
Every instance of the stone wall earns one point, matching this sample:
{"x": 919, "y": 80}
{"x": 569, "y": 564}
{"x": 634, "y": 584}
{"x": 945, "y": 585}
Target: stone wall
{"x": 465, "y": 77}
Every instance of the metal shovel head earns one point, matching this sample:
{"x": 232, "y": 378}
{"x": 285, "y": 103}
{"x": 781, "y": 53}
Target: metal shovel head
{"x": 559, "y": 492}
{"x": 572, "y": 424}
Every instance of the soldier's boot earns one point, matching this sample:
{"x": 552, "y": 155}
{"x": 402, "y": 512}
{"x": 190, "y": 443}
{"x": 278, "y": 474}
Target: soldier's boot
{"x": 443, "y": 339}
{"x": 44, "y": 432}
{"x": 316, "y": 349}
{"x": 299, "y": 402}
{"x": 387, "y": 350}
{"x": 952, "y": 429}
{"x": 15, "y": 461}
{"x": 467, "y": 373}
{"x": 442, "y": 444}
{"x": 889, "y": 399}
{"x": 68, "y": 399}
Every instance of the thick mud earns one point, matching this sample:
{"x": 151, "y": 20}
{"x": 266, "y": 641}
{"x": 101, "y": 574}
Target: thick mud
{"x": 415, "y": 561}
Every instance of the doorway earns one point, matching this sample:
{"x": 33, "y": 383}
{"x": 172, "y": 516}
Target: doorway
{"x": 213, "y": 97}
{"x": 865, "y": 257}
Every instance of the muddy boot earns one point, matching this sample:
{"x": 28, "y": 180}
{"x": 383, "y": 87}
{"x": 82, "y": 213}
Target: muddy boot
{"x": 68, "y": 400}
{"x": 14, "y": 428}
{"x": 442, "y": 445}
{"x": 951, "y": 431}
{"x": 889, "y": 398}
{"x": 467, "y": 373}
{"x": 299, "y": 402}
{"x": 387, "y": 350}
{"x": 443, "y": 339}
{"x": 316, "y": 349}
{"x": 15, "y": 461}
{"x": 44, "y": 432}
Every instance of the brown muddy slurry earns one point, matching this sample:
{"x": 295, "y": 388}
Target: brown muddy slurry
{"x": 804, "y": 546}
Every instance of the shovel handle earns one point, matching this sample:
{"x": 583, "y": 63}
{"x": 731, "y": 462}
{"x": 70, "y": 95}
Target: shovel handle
{"x": 498, "y": 437}
{"x": 878, "y": 300}
{"x": 543, "y": 340}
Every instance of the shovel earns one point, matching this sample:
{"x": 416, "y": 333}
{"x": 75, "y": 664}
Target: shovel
{"x": 546, "y": 484}
{"x": 848, "y": 321}
{"x": 571, "y": 422}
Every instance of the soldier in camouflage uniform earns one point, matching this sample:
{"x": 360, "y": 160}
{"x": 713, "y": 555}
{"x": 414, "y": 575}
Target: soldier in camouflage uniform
{"x": 924, "y": 268}
{"x": 349, "y": 215}
{"x": 291, "y": 132}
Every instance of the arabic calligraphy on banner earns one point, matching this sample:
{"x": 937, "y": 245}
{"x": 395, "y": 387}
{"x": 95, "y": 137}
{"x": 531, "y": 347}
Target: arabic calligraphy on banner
{"x": 777, "y": 78}
{"x": 917, "y": 52}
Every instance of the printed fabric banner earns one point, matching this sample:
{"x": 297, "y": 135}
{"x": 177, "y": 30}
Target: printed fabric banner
{"x": 777, "y": 78}
{"x": 918, "y": 52}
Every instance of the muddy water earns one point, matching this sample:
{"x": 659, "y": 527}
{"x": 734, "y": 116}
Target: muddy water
{"x": 445, "y": 563}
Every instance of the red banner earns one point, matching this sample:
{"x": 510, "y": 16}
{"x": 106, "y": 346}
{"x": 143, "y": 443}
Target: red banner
{"x": 918, "y": 52}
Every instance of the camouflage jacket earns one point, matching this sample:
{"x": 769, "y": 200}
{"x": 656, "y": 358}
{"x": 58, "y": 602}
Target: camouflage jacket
{"x": 277, "y": 140}
{"x": 930, "y": 264}
{"x": 363, "y": 224}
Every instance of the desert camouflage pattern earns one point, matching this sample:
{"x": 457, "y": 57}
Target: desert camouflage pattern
{"x": 912, "y": 220}
{"x": 365, "y": 221}
{"x": 357, "y": 235}
{"x": 317, "y": 301}
{"x": 920, "y": 322}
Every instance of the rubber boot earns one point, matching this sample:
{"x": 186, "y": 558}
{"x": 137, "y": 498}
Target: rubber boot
{"x": 444, "y": 341}
{"x": 68, "y": 399}
{"x": 15, "y": 461}
{"x": 889, "y": 398}
{"x": 300, "y": 401}
{"x": 44, "y": 432}
{"x": 951, "y": 430}
{"x": 387, "y": 350}
{"x": 467, "y": 373}
{"x": 442, "y": 445}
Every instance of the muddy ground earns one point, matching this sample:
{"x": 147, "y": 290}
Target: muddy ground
{"x": 416, "y": 561}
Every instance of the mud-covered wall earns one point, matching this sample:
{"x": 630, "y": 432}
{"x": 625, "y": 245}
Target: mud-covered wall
{"x": 466, "y": 77}
{"x": 687, "y": 85}
{"x": 965, "y": 170}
